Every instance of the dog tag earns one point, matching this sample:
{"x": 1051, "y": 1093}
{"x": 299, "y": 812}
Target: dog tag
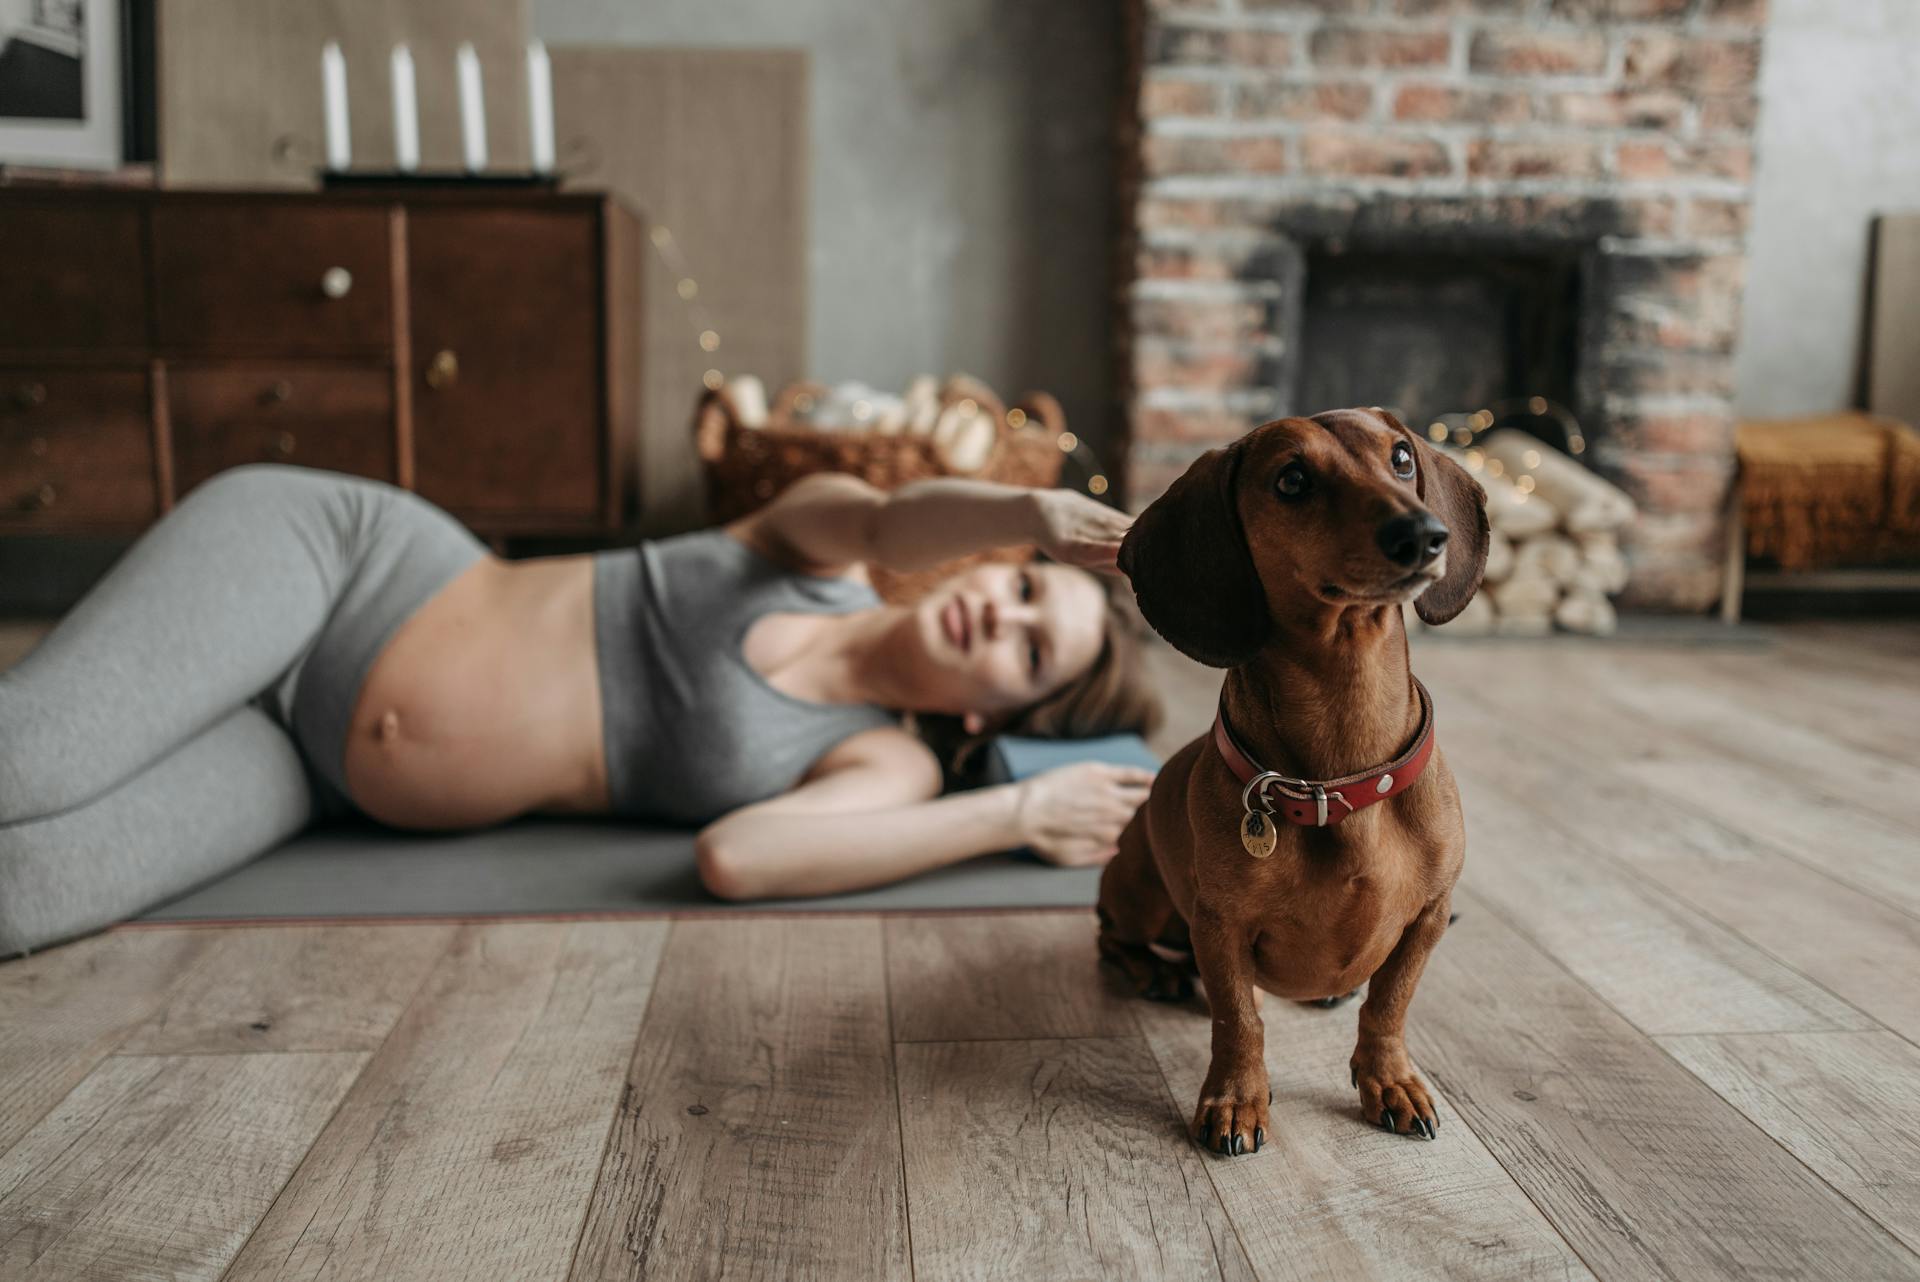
{"x": 1258, "y": 834}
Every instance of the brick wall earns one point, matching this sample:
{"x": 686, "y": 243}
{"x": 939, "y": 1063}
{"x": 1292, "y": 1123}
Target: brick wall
{"x": 1623, "y": 128}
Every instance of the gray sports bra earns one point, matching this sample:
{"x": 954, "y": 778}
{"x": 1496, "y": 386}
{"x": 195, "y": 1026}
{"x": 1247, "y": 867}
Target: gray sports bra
{"x": 691, "y": 730}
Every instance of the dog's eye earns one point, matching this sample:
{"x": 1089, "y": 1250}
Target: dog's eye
{"x": 1403, "y": 461}
{"x": 1293, "y": 482}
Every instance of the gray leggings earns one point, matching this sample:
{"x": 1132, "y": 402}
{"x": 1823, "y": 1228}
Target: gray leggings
{"x": 192, "y": 711}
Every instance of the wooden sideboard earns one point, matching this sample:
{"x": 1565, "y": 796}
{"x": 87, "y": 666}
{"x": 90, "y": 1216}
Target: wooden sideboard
{"x": 479, "y": 347}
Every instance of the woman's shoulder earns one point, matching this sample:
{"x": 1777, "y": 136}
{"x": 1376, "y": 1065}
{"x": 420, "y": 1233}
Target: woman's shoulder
{"x": 890, "y": 753}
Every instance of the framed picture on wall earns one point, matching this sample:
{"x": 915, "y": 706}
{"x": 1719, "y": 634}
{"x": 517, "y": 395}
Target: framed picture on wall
{"x": 76, "y": 86}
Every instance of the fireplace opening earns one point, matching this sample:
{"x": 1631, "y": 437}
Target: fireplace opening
{"x": 1428, "y": 333}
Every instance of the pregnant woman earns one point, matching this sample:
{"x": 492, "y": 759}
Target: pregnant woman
{"x": 290, "y": 643}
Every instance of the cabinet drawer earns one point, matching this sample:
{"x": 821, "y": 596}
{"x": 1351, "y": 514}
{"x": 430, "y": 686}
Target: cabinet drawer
{"x": 72, "y": 279}
{"x": 317, "y": 414}
{"x": 269, "y": 278}
{"x": 75, "y": 446}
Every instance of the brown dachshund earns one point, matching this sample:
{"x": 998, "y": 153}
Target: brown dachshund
{"x": 1309, "y": 843}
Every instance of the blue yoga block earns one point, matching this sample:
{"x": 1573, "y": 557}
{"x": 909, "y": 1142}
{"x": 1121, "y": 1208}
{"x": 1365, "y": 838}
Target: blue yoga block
{"x": 1011, "y": 758}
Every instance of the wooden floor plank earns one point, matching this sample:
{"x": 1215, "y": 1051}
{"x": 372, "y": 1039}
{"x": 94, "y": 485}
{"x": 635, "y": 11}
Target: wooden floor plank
{"x": 1880, "y": 651}
{"x": 1565, "y": 768}
{"x": 1679, "y": 711}
{"x": 1636, "y": 1162}
{"x": 1823, "y": 832}
{"x": 1872, "y": 715}
{"x": 758, "y": 1134}
{"x": 295, "y": 988}
{"x": 1329, "y": 1195}
{"x": 469, "y": 1145}
{"x": 1656, "y": 961}
{"x": 1847, "y": 942}
{"x": 1054, "y": 1159}
{"x": 1836, "y": 1101}
{"x": 64, "y": 1010}
{"x": 1000, "y": 975}
{"x": 159, "y": 1166}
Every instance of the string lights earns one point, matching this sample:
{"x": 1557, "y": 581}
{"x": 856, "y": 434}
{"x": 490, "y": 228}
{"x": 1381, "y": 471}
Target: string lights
{"x": 1462, "y": 430}
{"x": 687, "y": 289}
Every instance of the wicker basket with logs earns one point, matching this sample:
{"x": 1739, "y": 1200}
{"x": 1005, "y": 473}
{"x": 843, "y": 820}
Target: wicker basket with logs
{"x": 974, "y": 434}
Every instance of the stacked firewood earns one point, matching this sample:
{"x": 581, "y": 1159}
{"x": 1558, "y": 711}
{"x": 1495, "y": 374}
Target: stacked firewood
{"x": 1554, "y": 559}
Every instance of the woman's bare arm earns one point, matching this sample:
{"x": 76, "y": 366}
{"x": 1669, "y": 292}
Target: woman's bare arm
{"x": 829, "y": 520}
{"x": 871, "y": 816}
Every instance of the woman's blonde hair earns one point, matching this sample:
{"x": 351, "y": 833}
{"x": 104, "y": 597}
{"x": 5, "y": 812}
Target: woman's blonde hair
{"x": 1113, "y": 696}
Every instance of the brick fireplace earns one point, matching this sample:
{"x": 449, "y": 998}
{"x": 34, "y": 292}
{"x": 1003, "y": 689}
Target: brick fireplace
{"x": 1290, "y": 160}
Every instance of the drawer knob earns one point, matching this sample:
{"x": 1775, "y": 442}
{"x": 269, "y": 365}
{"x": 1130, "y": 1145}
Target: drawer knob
{"x": 38, "y": 446}
{"x": 281, "y": 391}
{"x": 284, "y": 443}
{"x": 336, "y": 282}
{"x": 30, "y": 395}
{"x": 45, "y": 497}
{"x": 444, "y": 369}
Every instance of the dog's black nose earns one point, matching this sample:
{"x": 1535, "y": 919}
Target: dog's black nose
{"x": 1412, "y": 540}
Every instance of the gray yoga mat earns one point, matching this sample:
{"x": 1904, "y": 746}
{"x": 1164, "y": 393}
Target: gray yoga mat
{"x": 542, "y": 866}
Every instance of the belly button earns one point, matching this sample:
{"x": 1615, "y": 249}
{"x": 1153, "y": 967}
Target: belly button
{"x": 389, "y": 727}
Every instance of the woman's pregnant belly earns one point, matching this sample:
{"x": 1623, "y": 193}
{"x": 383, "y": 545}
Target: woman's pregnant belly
{"x": 485, "y": 704}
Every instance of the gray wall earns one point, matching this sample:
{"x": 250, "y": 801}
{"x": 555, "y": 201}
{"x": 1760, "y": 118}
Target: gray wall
{"x": 962, "y": 189}
{"x": 1839, "y": 141}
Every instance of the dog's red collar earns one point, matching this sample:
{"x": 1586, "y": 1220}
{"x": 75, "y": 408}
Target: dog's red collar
{"x": 1316, "y": 803}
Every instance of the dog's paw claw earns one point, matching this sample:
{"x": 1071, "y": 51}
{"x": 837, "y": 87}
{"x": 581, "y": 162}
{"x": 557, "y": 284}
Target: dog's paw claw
{"x": 1395, "y": 1099}
{"x": 1231, "y": 1123}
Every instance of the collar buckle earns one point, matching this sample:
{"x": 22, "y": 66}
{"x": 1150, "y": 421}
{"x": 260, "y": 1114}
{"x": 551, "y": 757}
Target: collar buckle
{"x": 1395, "y": 776}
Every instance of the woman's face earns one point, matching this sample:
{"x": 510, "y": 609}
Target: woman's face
{"x": 999, "y": 637}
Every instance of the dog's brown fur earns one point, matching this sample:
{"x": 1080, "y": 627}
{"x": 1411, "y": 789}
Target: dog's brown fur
{"x": 1271, "y": 588}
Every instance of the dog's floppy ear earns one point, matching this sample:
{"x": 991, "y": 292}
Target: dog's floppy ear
{"x": 1457, "y": 499}
{"x": 1187, "y": 558}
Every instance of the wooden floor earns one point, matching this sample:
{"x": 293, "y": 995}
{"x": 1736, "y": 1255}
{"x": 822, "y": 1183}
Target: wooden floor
{"x": 1676, "y": 1032}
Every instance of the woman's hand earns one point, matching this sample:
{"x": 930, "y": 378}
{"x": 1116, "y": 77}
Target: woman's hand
{"x": 1076, "y": 530}
{"x": 1072, "y": 815}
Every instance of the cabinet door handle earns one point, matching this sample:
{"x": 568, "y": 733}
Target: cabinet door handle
{"x": 336, "y": 282}
{"x": 444, "y": 369}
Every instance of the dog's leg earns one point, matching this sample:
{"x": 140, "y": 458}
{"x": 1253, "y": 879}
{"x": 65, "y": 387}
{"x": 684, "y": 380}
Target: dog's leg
{"x": 1134, "y": 910}
{"x": 1392, "y": 1096}
{"x": 1231, "y": 1116}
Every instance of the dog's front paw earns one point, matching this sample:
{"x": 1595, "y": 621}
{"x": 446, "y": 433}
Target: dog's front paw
{"x": 1232, "y": 1121}
{"x": 1393, "y": 1097}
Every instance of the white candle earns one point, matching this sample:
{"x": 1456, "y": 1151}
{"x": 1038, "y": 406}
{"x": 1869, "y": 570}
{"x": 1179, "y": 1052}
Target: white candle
{"x": 333, "y": 79}
{"x": 406, "y": 120}
{"x": 473, "y": 110}
{"x": 540, "y": 106}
